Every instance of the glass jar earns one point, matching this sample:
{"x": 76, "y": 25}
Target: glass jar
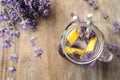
{"x": 100, "y": 51}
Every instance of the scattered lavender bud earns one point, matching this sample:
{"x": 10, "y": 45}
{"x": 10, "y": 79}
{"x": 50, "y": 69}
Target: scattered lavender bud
{"x": 14, "y": 57}
{"x": 115, "y": 30}
{"x": 95, "y": 6}
{"x": 116, "y": 25}
{"x": 118, "y": 51}
{"x": 17, "y": 34}
{"x": 114, "y": 46}
{"x": 11, "y": 69}
{"x": 83, "y": 29}
{"x": 32, "y": 41}
{"x": 104, "y": 15}
{"x": 38, "y": 52}
{"x": 90, "y": 2}
{"x": 6, "y": 43}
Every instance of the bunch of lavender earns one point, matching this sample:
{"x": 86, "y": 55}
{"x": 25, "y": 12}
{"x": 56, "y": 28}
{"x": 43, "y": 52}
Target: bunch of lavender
{"x": 28, "y": 10}
{"x": 21, "y": 15}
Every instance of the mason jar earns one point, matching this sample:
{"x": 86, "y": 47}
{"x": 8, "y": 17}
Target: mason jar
{"x": 100, "y": 52}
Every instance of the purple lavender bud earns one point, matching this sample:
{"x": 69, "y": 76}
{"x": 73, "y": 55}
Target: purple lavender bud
{"x": 38, "y": 52}
{"x": 114, "y": 46}
{"x": 6, "y": 43}
{"x": 7, "y": 31}
{"x": 108, "y": 46}
{"x": 17, "y": 34}
{"x": 83, "y": 29}
{"x": 22, "y": 26}
{"x": 32, "y": 41}
{"x": 118, "y": 51}
{"x": 14, "y": 57}
{"x": 1, "y": 33}
{"x": 45, "y": 13}
{"x": 5, "y": 17}
{"x": 12, "y": 34}
{"x": 116, "y": 24}
{"x": 104, "y": 15}
{"x": 115, "y": 30}
{"x": 95, "y": 6}
{"x": 90, "y": 2}
{"x": 11, "y": 69}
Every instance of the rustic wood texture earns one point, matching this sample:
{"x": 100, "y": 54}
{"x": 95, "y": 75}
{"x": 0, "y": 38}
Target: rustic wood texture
{"x": 51, "y": 66}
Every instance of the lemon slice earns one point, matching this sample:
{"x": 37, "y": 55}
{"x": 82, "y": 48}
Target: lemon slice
{"x": 70, "y": 50}
{"x": 72, "y": 37}
{"x": 91, "y": 45}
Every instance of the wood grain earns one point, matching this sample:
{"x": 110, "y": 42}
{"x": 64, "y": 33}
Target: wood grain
{"x": 51, "y": 66}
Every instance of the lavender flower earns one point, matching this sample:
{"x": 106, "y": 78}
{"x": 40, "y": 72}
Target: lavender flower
{"x": 38, "y": 52}
{"x": 14, "y": 57}
{"x": 104, "y": 15}
{"x": 114, "y": 48}
{"x": 83, "y": 29}
{"x": 11, "y": 69}
{"x": 92, "y": 3}
{"x": 17, "y": 34}
{"x": 3, "y": 17}
{"x": 7, "y": 31}
{"x": 22, "y": 26}
{"x": 116, "y": 26}
{"x": 32, "y": 41}
{"x": 87, "y": 55}
{"x": 95, "y": 6}
{"x": 1, "y": 33}
{"x": 6, "y": 43}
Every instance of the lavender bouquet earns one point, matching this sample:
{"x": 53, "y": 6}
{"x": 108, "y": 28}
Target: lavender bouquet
{"x": 20, "y": 15}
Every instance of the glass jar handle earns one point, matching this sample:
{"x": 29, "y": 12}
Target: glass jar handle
{"x": 106, "y": 55}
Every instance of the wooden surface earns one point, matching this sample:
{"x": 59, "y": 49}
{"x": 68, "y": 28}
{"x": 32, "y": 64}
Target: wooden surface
{"x": 51, "y": 66}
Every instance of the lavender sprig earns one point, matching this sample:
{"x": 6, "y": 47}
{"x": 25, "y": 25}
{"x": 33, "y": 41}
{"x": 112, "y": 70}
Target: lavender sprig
{"x": 92, "y": 3}
{"x": 114, "y": 48}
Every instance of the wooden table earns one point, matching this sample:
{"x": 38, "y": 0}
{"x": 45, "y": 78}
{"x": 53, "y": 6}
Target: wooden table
{"x": 51, "y": 66}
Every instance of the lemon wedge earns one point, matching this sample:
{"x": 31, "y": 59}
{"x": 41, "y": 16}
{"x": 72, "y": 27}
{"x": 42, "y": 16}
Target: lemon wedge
{"x": 70, "y": 50}
{"x": 91, "y": 45}
{"x": 72, "y": 37}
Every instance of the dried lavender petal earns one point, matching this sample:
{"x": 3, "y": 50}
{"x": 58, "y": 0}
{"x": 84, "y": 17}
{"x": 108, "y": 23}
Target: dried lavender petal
{"x": 95, "y": 6}
{"x": 38, "y": 52}
{"x": 11, "y": 69}
{"x": 17, "y": 34}
{"x": 116, "y": 24}
{"x": 114, "y": 46}
{"x": 104, "y": 15}
{"x": 6, "y": 44}
{"x": 32, "y": 41}
{"x": 14, "y": 57}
